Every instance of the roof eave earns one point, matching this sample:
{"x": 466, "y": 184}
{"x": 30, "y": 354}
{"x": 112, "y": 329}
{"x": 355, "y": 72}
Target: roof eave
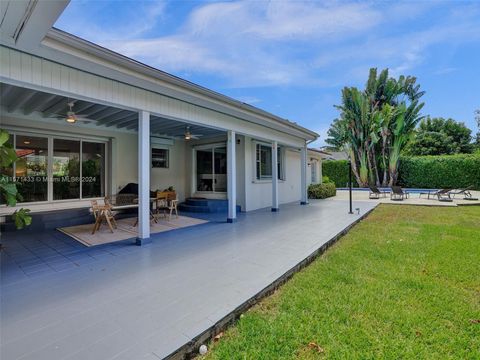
{"x": 124, "y": 61}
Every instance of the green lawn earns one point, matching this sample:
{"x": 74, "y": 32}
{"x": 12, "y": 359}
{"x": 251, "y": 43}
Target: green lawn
{"x": 403, "y": 284}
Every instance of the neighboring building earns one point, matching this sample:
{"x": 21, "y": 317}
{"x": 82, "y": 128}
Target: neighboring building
{"x": 333, "y": 155}
{"x": 78, "y": 110}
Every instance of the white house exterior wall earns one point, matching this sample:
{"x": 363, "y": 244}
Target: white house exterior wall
{"x": 258, "y": 194}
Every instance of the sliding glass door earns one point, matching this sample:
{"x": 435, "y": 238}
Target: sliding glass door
{"x": 220, "y": 169}
{"x": 211, "y": 168}
{"x": 93, "y": 169}
{"x": 66, "y": 169}
{"x": 51, "y": 168}
{"x": 31, "y": 169}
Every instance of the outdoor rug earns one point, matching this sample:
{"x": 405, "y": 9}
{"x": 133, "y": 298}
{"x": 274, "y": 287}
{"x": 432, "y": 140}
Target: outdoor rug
{"x": 125, "y": 230}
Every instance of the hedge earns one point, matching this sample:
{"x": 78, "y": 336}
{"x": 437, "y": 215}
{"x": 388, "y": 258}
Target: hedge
{"x": 337, "y": 171}
{"x": 440, "y": 172}
{"x": 321, "y": 191}
{"x": 430, "y": 172}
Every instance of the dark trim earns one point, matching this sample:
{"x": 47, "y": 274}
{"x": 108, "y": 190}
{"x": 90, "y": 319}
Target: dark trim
{"x": 190, "y": 349}
{"x": 275, "y": 209}
{"x": 140, "y": 241}
{"x": 303, "y": 202}
{"x": 231, "y": 221}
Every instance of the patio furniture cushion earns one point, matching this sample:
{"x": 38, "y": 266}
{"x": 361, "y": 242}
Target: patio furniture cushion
{"x": 132, "y": 188}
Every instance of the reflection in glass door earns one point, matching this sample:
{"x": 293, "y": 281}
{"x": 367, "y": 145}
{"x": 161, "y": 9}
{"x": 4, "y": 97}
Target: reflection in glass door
{"x": 220, "y": 173}
{"x": 93, "y": 169}
{"x": 211, "y": 164}
{"x": 31, "y": 167}
{"x": 7, "y": 171}
{"x": 75, "y": 168}
{"x": 204, "y": 170}
{"x": 66, "y": 169}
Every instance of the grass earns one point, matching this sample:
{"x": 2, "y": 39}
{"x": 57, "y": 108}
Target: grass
{"x": 403, "y": 284}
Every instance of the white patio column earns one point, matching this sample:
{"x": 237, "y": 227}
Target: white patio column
{"x": 303, "y": 175}
{"x": 231, "y": 177}
{"x": 143, "y": 178}
{"x": 274, "y": 176}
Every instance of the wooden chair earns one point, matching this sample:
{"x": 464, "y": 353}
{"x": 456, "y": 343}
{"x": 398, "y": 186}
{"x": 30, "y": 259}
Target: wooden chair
{"x": 161, "y": 202}
{"x": 169, "y": 203}
{"x": 103, "y": 213}
{"x": 94, "y": 208}
{"x": 172, "y": 205}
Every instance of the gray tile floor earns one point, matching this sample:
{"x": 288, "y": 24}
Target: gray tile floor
{"x": 63, "y": 301}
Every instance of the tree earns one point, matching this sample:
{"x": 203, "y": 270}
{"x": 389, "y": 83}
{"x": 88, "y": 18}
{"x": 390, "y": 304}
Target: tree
{"x": 8, "y": 187}
{"x": 337, "y": 135}
{"x": 439, "y": 136}
{"x": 477, "y": 118}
{"x": 376, "y": 124}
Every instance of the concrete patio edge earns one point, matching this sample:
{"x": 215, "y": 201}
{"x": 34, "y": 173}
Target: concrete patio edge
{"x": 190, "y": 349}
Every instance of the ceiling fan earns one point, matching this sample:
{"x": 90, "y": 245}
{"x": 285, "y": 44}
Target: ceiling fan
{"x": 188, "y": 135}
{"x": 71, "y": 117}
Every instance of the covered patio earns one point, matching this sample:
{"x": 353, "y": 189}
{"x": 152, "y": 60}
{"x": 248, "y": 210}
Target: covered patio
{"x": 54, "y": 132}
{"x": 125, "y": 142}
{"x": 129, "y": 302}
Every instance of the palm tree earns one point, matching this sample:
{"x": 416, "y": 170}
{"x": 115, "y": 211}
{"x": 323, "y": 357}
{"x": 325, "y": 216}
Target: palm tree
{"x": 376, "y": 124}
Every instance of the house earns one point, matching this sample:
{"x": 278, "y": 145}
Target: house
{"x": 333, "y": 155}
{"x": 87, "y": 121}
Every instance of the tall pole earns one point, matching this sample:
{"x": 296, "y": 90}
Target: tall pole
{"x": 350, "y": 183}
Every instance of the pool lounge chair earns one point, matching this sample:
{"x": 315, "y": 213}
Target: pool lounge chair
{"x": 398, "y": 194}
{"x": 441, "y": 195}
{"x": 376, "y": 193}
{"x": 466, "y": 192}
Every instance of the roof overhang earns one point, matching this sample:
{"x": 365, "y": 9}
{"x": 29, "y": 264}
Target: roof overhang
{"x": 25, "y": 23}
{"x": 72, "y": 51}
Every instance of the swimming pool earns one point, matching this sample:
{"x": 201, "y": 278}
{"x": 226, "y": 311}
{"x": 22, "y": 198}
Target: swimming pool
{"x": 409, "y": 190}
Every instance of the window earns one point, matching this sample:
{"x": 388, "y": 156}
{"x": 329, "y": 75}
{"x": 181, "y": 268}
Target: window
{"x": 160, "y": 158}
{"x": 31, "y": 168}
{"x": 6, "y": 173}
{"x": 313, "y": 166}
{"x": 75, "y": 168}
{"x": 263, "y": 162}
{"x": 66, "y": 169}
{"x": 93, "y": 169}
{"x": 211, "y": 168}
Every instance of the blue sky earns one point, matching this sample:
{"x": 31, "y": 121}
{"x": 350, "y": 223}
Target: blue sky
{"x": 292, "y": 58}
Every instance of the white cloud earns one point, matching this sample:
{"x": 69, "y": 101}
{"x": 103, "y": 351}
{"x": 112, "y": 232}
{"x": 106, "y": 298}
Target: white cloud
{"x": 276, "y": 43}
{"x": 248, "y": 99}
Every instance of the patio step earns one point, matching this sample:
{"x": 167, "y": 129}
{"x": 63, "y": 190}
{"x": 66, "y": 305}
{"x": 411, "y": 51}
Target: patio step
{"x": 198, "y": 205}
{"x": 52, "y": 219}
{"x": 48, "y": 220}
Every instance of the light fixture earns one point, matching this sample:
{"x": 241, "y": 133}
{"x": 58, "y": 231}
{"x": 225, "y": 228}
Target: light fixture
{"x": 188, "y": 135}
{"x": 70, "y": 119}
{"x": 27, "y": 142}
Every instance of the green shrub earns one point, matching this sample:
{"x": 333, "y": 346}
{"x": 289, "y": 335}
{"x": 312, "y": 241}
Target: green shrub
{"x": 321, "y": 191}
{"x": 326, "y": 180}
{"x": 337, "y": 172}
{"x": 445, "y": 171}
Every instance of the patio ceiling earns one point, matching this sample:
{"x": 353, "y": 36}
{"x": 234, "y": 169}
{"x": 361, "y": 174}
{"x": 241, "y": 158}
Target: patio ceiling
{"x": 38, "y": 105}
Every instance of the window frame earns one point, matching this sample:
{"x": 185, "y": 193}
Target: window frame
{"x": 280, "y": 162}
{"x": 51, "y": 135}
{"x": 164, "y": 148}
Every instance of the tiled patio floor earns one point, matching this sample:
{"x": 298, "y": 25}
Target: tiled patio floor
{"x": 60, "y": 300}
{"x": 36, "y": 254}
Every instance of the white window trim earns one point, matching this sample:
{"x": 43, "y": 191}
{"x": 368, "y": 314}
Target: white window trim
{"x": 281, "y": 158}
{"x": 194, "y": 166}
{"x": 50, "y": 136}
{"x": 160, "y": 147}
